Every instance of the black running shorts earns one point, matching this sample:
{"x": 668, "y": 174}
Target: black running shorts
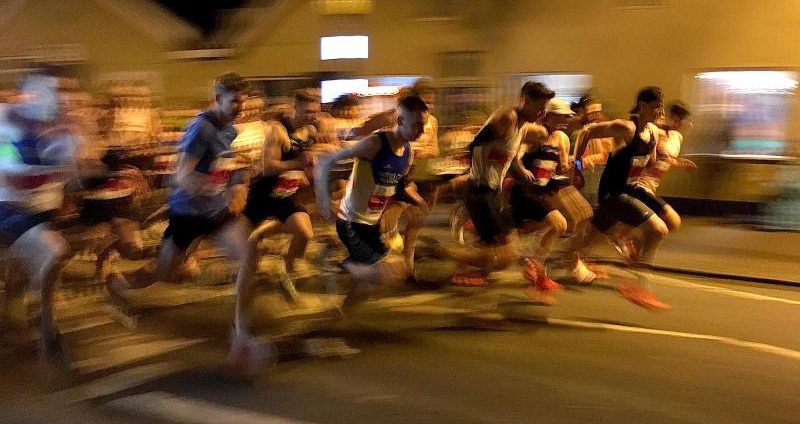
{"x": 621, "y": 208}
{"x": 363, "y": 242}
{"x": 483, "y": 205}
{"x": 655, "y": 203}
{"x": 184, "y": 229}
{"x": 531, "y": 204}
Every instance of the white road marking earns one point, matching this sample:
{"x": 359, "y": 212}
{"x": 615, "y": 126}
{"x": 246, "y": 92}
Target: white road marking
{"x": 761, "y": 347}
{"x": 118, "y": 382}
{"x": 669, "y": 281}
{"x": 176, "y": 409}
{"x": 126, "y": 353}
{"x": 409, "y": 300}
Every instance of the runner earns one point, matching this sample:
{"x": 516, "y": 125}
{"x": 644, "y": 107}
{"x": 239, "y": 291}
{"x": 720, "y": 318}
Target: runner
{"x": 534, "y": 206}
{"x": 36, "y": 160}
{"x": 208, "y": 200}
{"x": 494, "y": 151}
{"x": 638, "y": 136}
{"x": 423, "y": 148}
{"x": 667, "y": 152}
{"x": 287, "y": 154}
{"x": 382, "y": 162}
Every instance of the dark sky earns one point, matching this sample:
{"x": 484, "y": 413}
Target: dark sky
{"x": 202, "y": 13}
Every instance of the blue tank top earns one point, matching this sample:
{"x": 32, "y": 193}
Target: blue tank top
{"x": 373, "y": 183}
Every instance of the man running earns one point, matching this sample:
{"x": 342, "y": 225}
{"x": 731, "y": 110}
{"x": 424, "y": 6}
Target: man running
{"x": 382, "y": 161}
{"x": 423, "y": 148}
{"x": 494, "y": 151}
{"x": 208, "y": 200}
{"x": 638, "y": 136}
{"x": 534, "y": 206}
{"x": 667, "y": 152}
{"x": 36, "y": 160}
{"x": 287, "y": 154}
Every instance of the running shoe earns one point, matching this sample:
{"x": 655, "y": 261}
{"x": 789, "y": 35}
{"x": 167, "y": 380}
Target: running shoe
{"x": 540, "y": 287}
{"x": 641, "y": 297}
{"x": 248, "y": 356}
{"x": 582, "y": 274}
{"x": 627, "y": 249}
{"x": 287, "y": 287}
{"x": 598, "y": 271}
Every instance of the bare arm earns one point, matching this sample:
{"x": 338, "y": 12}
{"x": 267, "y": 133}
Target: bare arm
{"x": 374, "y": 123}
{"x": 272, "y": 149}
{"x": 534, "y": 135}
{"x": 364, "y": 149}
{"x": 622, "y": 130}
{"x": 187, "y": 178}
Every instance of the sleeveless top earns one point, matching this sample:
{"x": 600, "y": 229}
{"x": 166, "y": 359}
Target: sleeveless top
{"x": 625, "y": 166}
{"x": 373, "y": 183}
{"x": 492, "y": 156}
{"x": 287, "y": 183}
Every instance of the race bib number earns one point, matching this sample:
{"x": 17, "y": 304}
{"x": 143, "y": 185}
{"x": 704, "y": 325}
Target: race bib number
{"x": 380, "y": 198}
{"x": 638, "y": 164}
{"x": 543, "y": 171}
{"x": 288, "y": 184}
{"x": 222, "y": 172}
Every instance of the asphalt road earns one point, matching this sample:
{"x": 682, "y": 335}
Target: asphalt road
{"x": 725, "y": 352}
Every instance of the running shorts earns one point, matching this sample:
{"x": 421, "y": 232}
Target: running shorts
{"x": 621, "y": 208}
{"x": 483, "y": 206}
{"x": 363, "y": 242}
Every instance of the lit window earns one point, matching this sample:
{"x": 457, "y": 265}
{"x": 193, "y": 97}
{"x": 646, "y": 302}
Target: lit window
{"x": 743, "y": 112}
{"x": 331, "y": 89}
{"x": 344, "y": 47}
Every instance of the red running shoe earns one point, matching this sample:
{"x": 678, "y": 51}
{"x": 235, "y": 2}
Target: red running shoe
{"x": 537, "y": 276}
{"x": 627, "y": 249}
{"x": 642, "y": 297}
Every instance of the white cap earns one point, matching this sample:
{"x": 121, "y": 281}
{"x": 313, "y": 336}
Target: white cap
{"x": 556, "y": 105}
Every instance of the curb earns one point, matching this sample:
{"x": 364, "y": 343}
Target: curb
{"x": 708, "y": 274}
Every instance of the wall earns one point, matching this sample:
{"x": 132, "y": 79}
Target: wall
{"x": 623, "y": 48}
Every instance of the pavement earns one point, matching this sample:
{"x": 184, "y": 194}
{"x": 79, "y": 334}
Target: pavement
{"x": 717, "y": 247}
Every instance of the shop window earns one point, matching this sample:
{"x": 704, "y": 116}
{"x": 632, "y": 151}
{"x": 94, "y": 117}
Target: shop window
{"x": 742, "y": 112}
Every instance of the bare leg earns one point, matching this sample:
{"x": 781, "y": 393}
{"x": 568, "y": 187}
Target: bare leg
{"x": 299, "y": 226}
{"x": 654, "y": 231}
{"x": 671, "y": 218}
{"x": 233, "y": 238}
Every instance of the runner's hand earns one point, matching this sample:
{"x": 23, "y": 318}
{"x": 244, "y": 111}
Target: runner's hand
{"x": 527, "y": 176}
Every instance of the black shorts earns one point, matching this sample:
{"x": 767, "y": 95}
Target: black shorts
{"x": 621, "y": 208}
{"x": 184, "y": 229}
{"x": 531, "y": 204}
{"x": 483, "y": 205}
{"x": 655, "y": 203}
{"x": 262, "y": 208}
{"x": 363, "y": 241}
{"x": 14, "y": 222}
